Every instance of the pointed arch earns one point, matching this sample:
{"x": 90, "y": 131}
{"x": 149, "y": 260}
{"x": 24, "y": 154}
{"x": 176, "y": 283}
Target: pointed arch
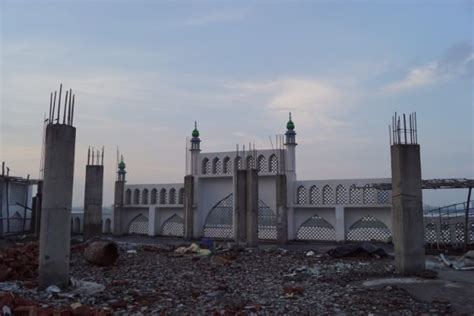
{"x": 128, "y": 196}
{"x": 138, "y": 225}
{"x": 172, "y": 197}
{"x": 136, "y": 196}
{"x": 355, "y": 195}
{"x": 341, "y": 194}
{"x": 328, "y": 194}
{"x": 173, "y": 226}
{"x": 181, "y": 196}
{"x": 273, "y": 164}
{"x": 238, "y": 162}
{"x": 206, "y": 167}
{"x": 316, "y": 228}
{"x": 145, "y": 196}
{"x": 163, "y": 196}
{"x": 314, "y": 197}
{"x": 154, "y": 196}
{"x": 218, "y": 223}
{"x": 250, "y": 162}
{"x": 108, "y": 226}
{"x": 301, "y": 197}
{"x": 370, "y": 194}
{"x": 261, "y": 163}
{"x": 368, "y": 228}
{"x": 226, "y": 166}
{"x": 216, "y": 166}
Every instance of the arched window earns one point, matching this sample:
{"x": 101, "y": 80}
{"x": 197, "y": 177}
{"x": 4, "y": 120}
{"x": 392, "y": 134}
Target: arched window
{"x": 181, "y": 196}
{"x": 163, "y": 196}
{"x": 238, "y": 162}
{"x": 136, "y": 196}
{"x": 314, "y": 195}
{"x": 261, "y": 164}
{"x": 301, "y": 195}
{"x": 341, "y": 194}
{"x": 216, "y": 166}
{"x": 206, "y": 167}
{"x": 355, "y": 195}
{"x": 328, "y": 195}
{"x": 108, "y": 226}
{"x": 154, "y": 194}
{"x": 172, "y": 196}
{"x": 227, "y": 165}
{"x": 250, "y": 162}
{"x": 128, "y": 196}
{"x": 273, "y": 164}
{"x": 145, "y": 196}
{"x": 370, "y": 194}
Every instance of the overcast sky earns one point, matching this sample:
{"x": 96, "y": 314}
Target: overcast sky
{"x": 144, "y": 71}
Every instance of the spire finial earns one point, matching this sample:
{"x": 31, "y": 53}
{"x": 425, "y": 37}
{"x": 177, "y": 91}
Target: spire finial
{"x": 290, "y": 125}
{"x": 195, "y": 132}
{"x": 290, "y": 116}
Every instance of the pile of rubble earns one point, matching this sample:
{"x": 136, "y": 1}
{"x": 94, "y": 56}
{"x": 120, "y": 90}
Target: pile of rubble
{"x": 225, "y": 280}
{"x": 19, "y": 262}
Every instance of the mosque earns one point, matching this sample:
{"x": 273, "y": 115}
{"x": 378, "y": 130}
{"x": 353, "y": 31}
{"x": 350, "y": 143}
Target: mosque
{"x": 327, "y": 210}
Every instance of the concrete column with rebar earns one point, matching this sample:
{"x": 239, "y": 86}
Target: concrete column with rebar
{"x": 252, "y": 207}
{"x": 240, "y": 205}
{"x": 281, "y": 209}
{"x": 55, "y": 233}
{"x": 93, "y": 201}
{"x": 117, "y": 217}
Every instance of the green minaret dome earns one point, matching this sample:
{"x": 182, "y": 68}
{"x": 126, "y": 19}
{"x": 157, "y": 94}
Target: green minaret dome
{"x": 290, "y": 125}
{"x": 121, "y": 165}
{"x": 195, "y": 131}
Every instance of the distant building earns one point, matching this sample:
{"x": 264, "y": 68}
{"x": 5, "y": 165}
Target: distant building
{"x": 15, "y": 194}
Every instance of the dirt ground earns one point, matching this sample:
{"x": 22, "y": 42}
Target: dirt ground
{"x": 150, "y": 278}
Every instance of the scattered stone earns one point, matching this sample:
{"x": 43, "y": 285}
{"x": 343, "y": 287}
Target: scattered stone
{"x": 358, "y": 250}
{"x": 310, "y": 253}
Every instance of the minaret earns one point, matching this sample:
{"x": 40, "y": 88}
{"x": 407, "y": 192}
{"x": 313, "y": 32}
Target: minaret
{"x": 290, "y": 143}
{"x": 195, "y": 150}
{"x": 117, "y": 214}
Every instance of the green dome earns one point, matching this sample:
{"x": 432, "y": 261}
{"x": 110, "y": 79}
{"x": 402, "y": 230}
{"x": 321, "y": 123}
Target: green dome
{"x": 290, "y": 125}
{"x": 121, "y": 165}
{"x": 195, "y": 133}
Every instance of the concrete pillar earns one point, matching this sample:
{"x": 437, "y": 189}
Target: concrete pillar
{"x": 93, "y": 201}
{"x": 281, "y": 209}
{"x": 340, "y": 224}
{"x": 117, "y": 217}
{"x": 188, "y": 207}
{"x": 240, "y": 205}
{"x": 252, "y": 207}
{"x": 407, "y": 208}
{"x": 55, "y": 235}
{"x": 153, "y": 230}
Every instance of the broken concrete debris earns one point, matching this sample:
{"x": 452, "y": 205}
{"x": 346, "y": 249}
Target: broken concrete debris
{"x": 364, "y": 249}
{"x": 102, "y": 253}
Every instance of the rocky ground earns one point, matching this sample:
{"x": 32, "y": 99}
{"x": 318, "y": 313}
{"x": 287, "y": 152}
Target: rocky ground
{"x": 154, "y": 279}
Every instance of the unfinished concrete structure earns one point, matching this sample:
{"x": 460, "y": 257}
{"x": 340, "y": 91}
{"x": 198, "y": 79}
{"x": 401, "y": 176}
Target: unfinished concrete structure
{"x": 407, "y": 209}
{"x": 288, "y": 208}
{"x": 59, "y": 149}
{"x": 93, "y": 194}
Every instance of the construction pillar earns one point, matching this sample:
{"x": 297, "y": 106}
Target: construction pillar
{"x": 252, "y": 207}
{"x": 188, "y": 207}
{"x": 240, "y": 205}
{"x": 36, "y": 210}
{"x": 55, "y": 232}
{"x": 118, "y": 208}
{"x": 281, "y": 209}
{"x": 93, "y": 201}
{"x": 407, "y": 208}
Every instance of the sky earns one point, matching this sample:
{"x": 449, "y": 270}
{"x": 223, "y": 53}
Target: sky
{"x": 144, "y": 71}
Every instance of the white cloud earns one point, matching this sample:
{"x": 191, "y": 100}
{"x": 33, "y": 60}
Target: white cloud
{"x": 457, "y": 62}
{"x": 218, "y": 16}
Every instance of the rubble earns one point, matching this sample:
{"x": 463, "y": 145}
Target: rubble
{"x": 357, "y": 250}
{"x": 230, "y": 280}
{"x": 19, "y": 262}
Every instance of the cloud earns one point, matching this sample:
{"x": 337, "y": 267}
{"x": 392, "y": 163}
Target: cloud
{"x": 458, "y": 62}
{"x": 219, "y": 16}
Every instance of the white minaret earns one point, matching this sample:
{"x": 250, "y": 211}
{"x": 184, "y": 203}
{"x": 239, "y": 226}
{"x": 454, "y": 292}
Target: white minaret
{"x": 195, "y": 150}
{"x": 290, "y": 143}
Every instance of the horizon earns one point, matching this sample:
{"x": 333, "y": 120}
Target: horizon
{"x": 144, "y": 72}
